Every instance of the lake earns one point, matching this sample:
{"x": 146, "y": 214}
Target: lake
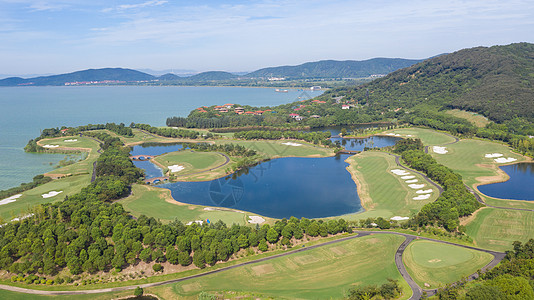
{"x": 27, "y": 110}
{"x": 280, "y": 188}
{"x": 520, "y": 186}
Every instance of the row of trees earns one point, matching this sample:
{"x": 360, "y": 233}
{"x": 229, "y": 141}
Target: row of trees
{"x": 316, "y": 137}
{"x": 87, "y": 232}
{"x": 388, "y": 290}
{"x": 456, "y": 201}
{"x": 230, "y": 149}
{"x": 170, "y": 132}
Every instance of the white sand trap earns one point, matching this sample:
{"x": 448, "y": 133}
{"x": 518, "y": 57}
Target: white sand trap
{"x": 22, "y": 218}
{"x": 439, "y": 150}
{"x": 393, "y": 134}
{"x": 397, "y": 218}
{"x": 416, "y": 186}
{"x": 50, "y": 146}
{"x": 408, "y": 177}
{"x": 399, "y": 172}
{"x": 176, "y": 168}
{"x": 199, "y": 222}
{"x": 493, "y": 155}
{"x": 292, "y": 144}
{"x": 424, "y": 191}
{"x": 422, "y": 197}
{"x": 51, "y": 194}
{"x": 10, "y": 199}
{"x": 412, "y": 181}
{"x": 256, "y": 219}
{"x": 70, "y": 141}
{"x": 409, "y": 135}
{"x": 502, "y": 160}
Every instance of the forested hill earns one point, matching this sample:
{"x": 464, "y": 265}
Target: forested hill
{"x": 336, "y": 69}
{"x": 106, "y": 74}
{"x": 497, "y": 81}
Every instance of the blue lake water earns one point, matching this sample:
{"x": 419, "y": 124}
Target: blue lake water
{"x": 371, "y": 142}
{"x": 520, "y": 186}
{"x": 280, "y": 188}
{"x": 155, "y": 149}
{"x": 27, "y": 110}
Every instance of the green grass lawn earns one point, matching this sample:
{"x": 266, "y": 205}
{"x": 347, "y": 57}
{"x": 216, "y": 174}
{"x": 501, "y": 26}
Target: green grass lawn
{"x": 383, "y": 193}
{"x": 69, "y": 185}
{"x": 474, "y": 118}
{"x": 276, "y": 148}
{"x": 467, "y": 158}
{"x": 439, "y": 264}
{"x": 153, "y": 202}
{"x": 429, "y": 137}
{"x": 323, "y": 273}
{"x": 193, "y": 161}
{"x": 497, "y": 229}
{"x": 82, "y": 167}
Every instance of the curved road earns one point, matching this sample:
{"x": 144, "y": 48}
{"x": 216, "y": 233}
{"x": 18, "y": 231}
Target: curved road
{"x": 416, "y": 290}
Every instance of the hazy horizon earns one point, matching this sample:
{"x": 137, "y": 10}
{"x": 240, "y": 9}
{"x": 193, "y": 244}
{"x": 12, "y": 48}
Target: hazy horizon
{"x": 60, "y": 36}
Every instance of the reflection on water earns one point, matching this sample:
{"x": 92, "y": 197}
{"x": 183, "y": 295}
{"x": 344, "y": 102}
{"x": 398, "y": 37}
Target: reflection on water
{"x": 520, "y": 186}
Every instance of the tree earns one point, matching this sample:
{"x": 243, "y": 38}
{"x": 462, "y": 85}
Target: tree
{"x": 263, "y": 245}
{"x": 138, "y": 292}
{"x": 242, "y": 241}
{"x": 198, "y": 259}
{"x": 157, "y": 267}
{"x": 184, "y": 258}
{"x": 272, "y": 235}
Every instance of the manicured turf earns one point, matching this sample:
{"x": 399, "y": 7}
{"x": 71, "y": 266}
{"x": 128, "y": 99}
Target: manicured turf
{"x": 467, "y": 158}
{"x": 429, "y": 137}
{"x": 322, "y": 273}
{"x": 390, "y": 195}
{"x": 82, "y": 167}
{"x": 474, "y": 118}
{"x": 439, "y": 264}
{"x": 151, "y": 201}
{"x": 193, "y": 161}
{"x": 69, "y": 186}
{"x": 497, "y": 229}
{"x": 277, "y": 149}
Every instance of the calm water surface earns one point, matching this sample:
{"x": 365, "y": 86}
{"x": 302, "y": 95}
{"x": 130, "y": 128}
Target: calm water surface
{"x": 520, "y": 186}
{"x": 26, "y": 110}
{"x": 280, "y": 188}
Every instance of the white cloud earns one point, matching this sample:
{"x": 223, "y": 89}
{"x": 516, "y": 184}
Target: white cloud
{"x": 123, "y": 7}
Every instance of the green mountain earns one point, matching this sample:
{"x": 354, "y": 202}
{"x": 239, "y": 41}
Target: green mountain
{"x": 211, "y": 76}
{"x": 497, "y": 82}
{"x": 111, "y": 74}
{"x": 336, "y": 69}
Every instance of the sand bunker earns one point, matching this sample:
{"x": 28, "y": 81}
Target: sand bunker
{"x": 424, "y": 191}
{"x": 399, "y": 172}
{"x": 439, "y": 150}
{"x": 412, "y": 181}
{"x": 50, "y": 146}
{"x": 416, "y": 186}
{"x": 199, "y": 222}
{"x": 397, "y": 218}
{"x": 493, "y": 155}
{"x": 408, "y": 177}
{"x": 292, "y": 144}
{"x": 256, "y": 219}
{"x": 176, "y": 168}
{"x": 69, "y": 141}
{"x": 393, "y": 134}
{"x": 502, "y": 160}
{"x": 422, "y": 197}
{"x": 22, "y": 218}
{"x": 10, "y": 199}
{"x": 51, "y": 194}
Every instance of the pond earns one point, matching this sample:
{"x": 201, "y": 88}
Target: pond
{"x": 155, "y": 148}
{"x": 280, "y": 188}
{"x": 520, "y": 186}
{"x": 370, "y": 142}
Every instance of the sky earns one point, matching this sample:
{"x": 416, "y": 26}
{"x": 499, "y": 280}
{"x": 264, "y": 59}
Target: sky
{"x": 59, "y": 36}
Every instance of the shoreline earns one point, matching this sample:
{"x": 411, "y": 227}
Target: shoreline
{"x": 501, "y": 177}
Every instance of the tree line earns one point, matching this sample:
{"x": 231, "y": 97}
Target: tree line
{"x": 316, "y": 137}
{"x": 170, "y": 132}
{"x": 89, "y": 232}
{"x": 230, "y": 149}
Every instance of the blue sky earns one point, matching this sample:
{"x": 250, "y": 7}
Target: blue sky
{"x": 64, "y": 36}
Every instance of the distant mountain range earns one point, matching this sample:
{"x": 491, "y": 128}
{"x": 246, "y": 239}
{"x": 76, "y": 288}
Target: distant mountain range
{"x": 318, "y": 70}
